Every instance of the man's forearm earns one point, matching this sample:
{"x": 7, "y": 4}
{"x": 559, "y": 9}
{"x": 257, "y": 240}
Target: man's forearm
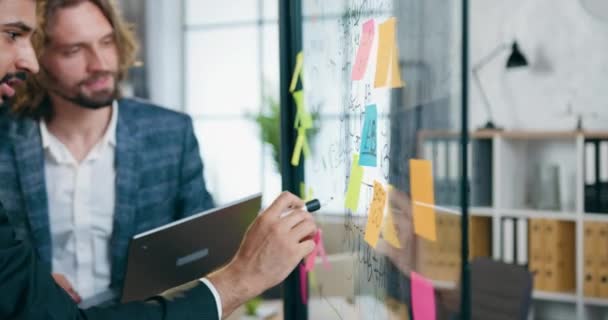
{"x": 234, "y": 286}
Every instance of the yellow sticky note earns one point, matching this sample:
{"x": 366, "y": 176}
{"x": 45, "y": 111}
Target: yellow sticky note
{"x": 375, "y": 215}
{"x": 387, "y": 63}
{"x": 297, "y": 150}
{"x": 423, "y": 198}
{"x": 306, "y": 195}
{"x": 389, "y": 232}
{"x": 312, "y": 280}
{"x": 297, "y": 72}
{"x": 354, "y": 185}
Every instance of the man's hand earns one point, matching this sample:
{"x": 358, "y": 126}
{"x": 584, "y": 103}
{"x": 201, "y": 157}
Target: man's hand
{"x": 67, "y": 286}
{"x": 271, "y": 249}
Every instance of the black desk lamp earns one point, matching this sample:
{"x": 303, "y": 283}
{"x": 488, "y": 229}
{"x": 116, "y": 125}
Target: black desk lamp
{"x": 516, "y": 60}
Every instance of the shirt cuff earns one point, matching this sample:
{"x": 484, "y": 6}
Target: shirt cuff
{"x": 216, "y": 295}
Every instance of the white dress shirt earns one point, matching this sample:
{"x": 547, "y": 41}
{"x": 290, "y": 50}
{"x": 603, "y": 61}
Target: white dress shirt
{"x": 81, "y": 209}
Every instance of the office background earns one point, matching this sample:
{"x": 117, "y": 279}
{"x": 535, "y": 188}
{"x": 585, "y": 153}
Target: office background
{"x": 219, "y": 62}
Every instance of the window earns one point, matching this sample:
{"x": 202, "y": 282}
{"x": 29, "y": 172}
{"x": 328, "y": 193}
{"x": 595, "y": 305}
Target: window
{"x": 231, "y": 69}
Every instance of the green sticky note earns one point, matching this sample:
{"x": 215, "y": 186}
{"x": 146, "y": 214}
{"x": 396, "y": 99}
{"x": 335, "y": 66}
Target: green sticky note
{"x": 354, "y": 185}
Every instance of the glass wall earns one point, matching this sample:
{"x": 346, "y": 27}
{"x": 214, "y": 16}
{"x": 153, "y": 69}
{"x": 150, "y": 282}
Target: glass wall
{"x": 382, "y": 81}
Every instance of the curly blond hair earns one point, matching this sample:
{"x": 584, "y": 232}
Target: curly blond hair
{"x": 29, "y": 98}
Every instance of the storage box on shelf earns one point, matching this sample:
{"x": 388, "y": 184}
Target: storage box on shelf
{"x": 440, "y": 260}
{"x": 596, "y": 259}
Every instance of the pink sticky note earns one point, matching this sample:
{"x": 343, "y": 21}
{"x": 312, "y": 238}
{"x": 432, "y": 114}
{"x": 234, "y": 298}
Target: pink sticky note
{"x": 423, "y": 298}
{"x": 322, "y": 253}
{"x": 303, "y": 284}
{"x": 319, "y": 250}
{"x": 365, "y": 47}
{"x": 310, "y": 260}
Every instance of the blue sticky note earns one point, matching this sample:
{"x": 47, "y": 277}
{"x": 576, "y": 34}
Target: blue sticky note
{"x": 368, "y": 138}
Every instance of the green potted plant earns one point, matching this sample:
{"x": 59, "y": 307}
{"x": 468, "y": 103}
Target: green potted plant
{"x": 251, "y": 308}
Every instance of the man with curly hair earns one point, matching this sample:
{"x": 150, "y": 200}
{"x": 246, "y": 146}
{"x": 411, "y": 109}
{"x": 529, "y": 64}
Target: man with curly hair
{"x": 84, "y": 169}
{"x": 271, "y": 248}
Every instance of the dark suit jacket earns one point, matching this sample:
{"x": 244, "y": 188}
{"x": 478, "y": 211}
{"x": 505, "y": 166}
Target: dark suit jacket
{"x": 27, "y": 291}
{"x": 159, "y": 177}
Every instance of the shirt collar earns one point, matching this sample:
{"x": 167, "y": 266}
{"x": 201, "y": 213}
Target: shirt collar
{"x": 108, "y": 137}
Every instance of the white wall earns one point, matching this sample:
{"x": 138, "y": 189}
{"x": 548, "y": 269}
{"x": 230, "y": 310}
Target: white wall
{"x": 567, "y": 49}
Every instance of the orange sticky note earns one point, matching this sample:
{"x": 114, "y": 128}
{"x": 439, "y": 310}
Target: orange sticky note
{"x": 387, "y": 63}
{"x": 423, "y": 198}
{"x": 354, "y": 185}
{"x": 375, "y": 215}
{"x": 365, "y": 47}
{"x": 389, "y": 232}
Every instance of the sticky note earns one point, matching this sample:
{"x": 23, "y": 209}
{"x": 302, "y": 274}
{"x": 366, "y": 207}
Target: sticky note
{"x": 319, "y": 250}
{"x": 365, "y": 47}
{"x": 389, "y": 232}
{"x": 297, "y": 150}
{"x": 302, "y": 122}
{"x": 423, "y": 198}
{"x": 354, "y": 185}
{"x": 387, "y": 63}
{"x": 297, "y": 72}
{"x": 375, "y": 215}
{"x": 309, "y": 263}
{"x": 306, "y": 195}
{"x": 423, "y": 298}
{"x": 303, "y": 117}
{"x": 369, "y": 137}
{"x": 312, "y": 280}
{"x": 303, "y": 285}
{"x": 305, "y": 147}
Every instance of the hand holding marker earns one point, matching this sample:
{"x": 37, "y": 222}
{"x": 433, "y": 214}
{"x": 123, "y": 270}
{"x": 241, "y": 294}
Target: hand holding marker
{"x": 310, "y": 206}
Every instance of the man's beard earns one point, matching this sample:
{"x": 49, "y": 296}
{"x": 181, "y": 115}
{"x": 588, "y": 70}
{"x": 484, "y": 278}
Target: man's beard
{"x": 92, "y": 102}
{"x": 6, "y": 101}
{"x": 95, "y": 101}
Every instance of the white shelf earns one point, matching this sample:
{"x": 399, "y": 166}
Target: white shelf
{"x": 454, "y": 210}
{"x": 599, "y": 302}
{"x": 539, "y": 214}
{"x": 596, "y": 217}
{"x": 516, "y": 159}
{"x": 481, "y": 211}
{"x": 446, "y": 285}
{"x": 555, "y": 296}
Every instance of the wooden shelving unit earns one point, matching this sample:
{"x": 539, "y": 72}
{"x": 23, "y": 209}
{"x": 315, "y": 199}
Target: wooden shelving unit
{"x": 514, "y": 155}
